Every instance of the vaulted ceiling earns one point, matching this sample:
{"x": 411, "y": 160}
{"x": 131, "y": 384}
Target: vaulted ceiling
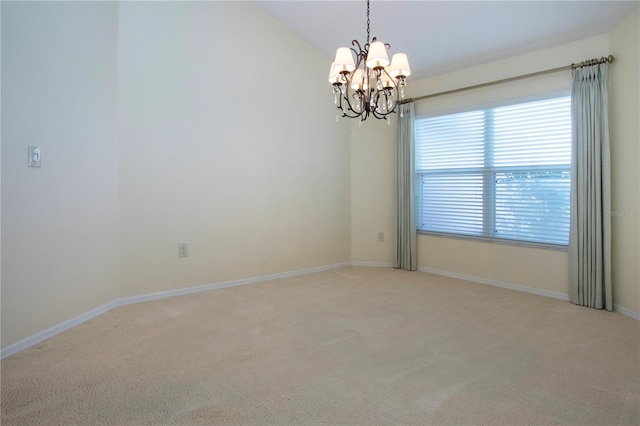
{"x": 441, "y": 36}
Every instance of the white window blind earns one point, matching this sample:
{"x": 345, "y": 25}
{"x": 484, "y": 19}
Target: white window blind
{"x": 499, "y": 173}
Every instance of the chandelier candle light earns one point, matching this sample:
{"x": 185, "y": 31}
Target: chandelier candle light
{"x": 369, "y": 84}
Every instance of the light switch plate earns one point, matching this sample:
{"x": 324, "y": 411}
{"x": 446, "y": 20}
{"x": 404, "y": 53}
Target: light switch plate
{"x": 183, "y": 250}
{"x": 34, "y": 156}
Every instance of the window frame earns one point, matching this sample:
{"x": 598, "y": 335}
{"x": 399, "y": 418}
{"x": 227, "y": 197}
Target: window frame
{"x": 492, "y": 170}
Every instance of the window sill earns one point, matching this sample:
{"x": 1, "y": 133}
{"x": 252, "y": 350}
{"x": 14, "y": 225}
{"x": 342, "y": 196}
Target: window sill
{"x": 555, "y": 247}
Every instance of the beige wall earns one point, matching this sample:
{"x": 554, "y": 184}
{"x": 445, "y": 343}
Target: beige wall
{"x": 372, "y": 190}
{"x": 59, "y": 222}
{"x": 539, "y": 269}
{"x": 625, "y": 160}
{"x": 253, "y": 175}
{"x": 146, "y": 145}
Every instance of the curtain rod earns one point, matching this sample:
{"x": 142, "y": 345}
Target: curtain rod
{"x": 590, "y": 62}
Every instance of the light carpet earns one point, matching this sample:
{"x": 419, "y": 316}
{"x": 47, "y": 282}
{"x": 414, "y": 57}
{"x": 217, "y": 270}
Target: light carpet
{"x": 350, "y": 346}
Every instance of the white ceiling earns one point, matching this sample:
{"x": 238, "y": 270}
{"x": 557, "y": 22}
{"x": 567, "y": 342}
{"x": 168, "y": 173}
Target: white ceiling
{"x": 442, "y": 36}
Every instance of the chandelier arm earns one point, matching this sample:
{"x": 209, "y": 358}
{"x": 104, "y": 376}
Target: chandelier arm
{"x": 374, "y": 108}
{"x": 361, "y": 54}
{"x": 355, "y": 114}
{"x": 388, "y": 93}
{"x": 345, "y": 112}
{"x": 340, "y": 100}
{"x": 356, "y": 43}
{"x": 366, "y": 47}
{"x": 381, "y": 115}
{"x": 375, "y": 97}
{"x": 395, "y": 103}
{"x": 396, "y": 86}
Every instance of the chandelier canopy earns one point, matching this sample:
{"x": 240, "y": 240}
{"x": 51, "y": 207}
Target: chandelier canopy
{"x": 370, "y": 84}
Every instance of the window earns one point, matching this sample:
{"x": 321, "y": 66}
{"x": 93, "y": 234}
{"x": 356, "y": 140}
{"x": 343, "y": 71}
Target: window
{"x": 499, "y": 173}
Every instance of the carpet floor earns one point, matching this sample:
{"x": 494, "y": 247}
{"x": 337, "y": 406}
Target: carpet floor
{"x": 350, "y": 346}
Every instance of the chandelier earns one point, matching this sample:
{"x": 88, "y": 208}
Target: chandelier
{"x": 370, "y": 84}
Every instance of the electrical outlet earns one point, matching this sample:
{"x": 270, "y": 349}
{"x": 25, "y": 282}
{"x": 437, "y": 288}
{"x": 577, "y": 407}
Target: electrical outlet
{"x": 381, "y": 237}
{"x": 183, "y": 250}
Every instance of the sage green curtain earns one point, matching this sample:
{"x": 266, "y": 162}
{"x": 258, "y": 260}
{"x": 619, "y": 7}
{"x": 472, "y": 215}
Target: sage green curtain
{"x": 405, "y": 253}
{"x": 590, "y": 229}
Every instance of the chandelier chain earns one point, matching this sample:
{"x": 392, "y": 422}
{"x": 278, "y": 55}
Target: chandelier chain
{"x": 368, "y": 22}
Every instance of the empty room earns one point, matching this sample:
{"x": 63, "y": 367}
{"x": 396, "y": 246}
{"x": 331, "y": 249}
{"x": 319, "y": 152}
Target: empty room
{"x": 320, "y": 212}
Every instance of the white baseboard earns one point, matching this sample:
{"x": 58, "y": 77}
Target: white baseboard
{"x": 374, "y": 264}
{"x": 532, "y": 290}
{"x": 224, "y": 284}
{"x": 627, "y": 312}
{"x": 70, "y": 323}
{"x": 56, "y": 329}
